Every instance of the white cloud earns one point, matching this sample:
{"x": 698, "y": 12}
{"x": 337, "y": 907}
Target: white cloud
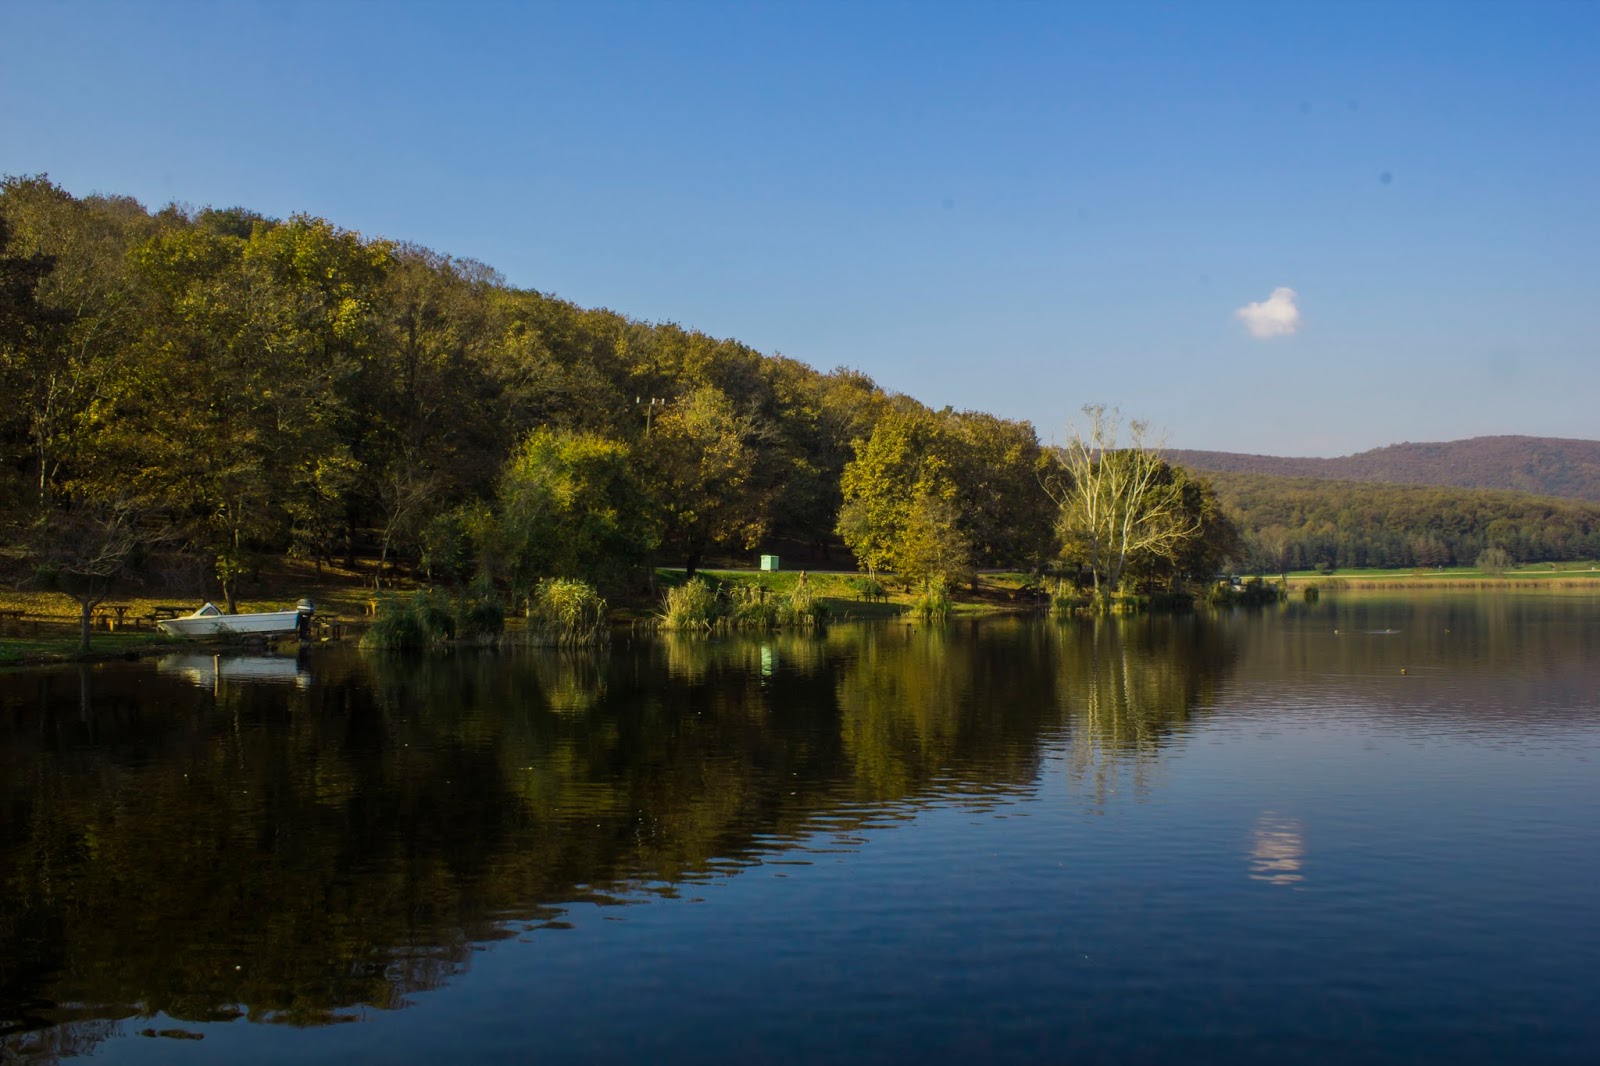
{"x": 1276, "y": 316}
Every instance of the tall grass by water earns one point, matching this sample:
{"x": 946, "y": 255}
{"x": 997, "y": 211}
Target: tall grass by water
{"x": 567, "y": 613}
{"x": 698, "y": 606}
{"x": 932, "y": 604}
{"x": 431, "y": 617}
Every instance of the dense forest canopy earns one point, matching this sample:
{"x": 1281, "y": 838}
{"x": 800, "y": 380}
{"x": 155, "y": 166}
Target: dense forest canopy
{"x": 189, "y": 390}
{"x": 1304, "y": 523}
{"x": 254, "y": 385}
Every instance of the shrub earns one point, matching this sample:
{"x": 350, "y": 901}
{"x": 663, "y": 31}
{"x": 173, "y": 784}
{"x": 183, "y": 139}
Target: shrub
{"x": 1069, "y": 599}
{"x": 482, "y": 617}
{"x": 435, "y": 613}
{"x": 446, "y": 547}
{"x": 870, "y": 589}
{"x": 697, "y": 606}
{"x": 405, "y": 624}
{"x": 1171, "y": 602}
{"x": 1254, "y": 592}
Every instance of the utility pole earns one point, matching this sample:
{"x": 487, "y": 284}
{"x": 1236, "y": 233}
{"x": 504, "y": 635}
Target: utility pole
{"x": 649, "y": 409}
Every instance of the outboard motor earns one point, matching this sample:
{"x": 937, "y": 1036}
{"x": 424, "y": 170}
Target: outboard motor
{"x": 303, "y": 628}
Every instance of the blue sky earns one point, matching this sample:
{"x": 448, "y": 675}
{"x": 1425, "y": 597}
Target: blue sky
{"x": 1015, "y": 207}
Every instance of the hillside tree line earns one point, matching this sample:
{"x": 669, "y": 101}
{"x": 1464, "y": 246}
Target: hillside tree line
{"x": 191, "y": 391}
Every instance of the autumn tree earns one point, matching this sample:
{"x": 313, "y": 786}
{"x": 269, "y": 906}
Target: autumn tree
{"x": 1004, "y": 511}
{"x": 424, "y": 433}
{"x": 817, "y": 417}
{"x": 1495, "y": 561}
{"x": 900, "y": 509}
{"x": 23, "y": 319}
{"x": 85, "y": 319}
{"x": 701, "y": 460}
{"x": 971, "y": 477}
{"x": 234, "y": 421}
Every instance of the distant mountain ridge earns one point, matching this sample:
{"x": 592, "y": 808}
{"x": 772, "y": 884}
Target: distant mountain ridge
{"x": 1543, "y": 466}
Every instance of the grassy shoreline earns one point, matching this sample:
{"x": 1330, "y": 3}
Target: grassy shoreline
{"x": 1582, "y": 575}
{"x": 51, "y": 633}
{"x": 995, "y": 593}
{"x": 109, "y": 647}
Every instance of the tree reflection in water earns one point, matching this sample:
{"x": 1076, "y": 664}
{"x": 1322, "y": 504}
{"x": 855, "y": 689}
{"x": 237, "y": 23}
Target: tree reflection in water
{"x": 1126, "y": 685}
{"x": 288, "y": 853}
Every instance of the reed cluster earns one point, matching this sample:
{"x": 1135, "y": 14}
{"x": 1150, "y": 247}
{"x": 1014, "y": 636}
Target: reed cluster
{"x": 932, "y": 604}
{"x": 431, "y": 617}
{"x": 698, "y": 606}
{"x": 409, "y": 623}
{"x": 567, "y": 613}
{"x": 1069, "y": 599}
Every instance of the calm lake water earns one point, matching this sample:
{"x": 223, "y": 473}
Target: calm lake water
{"x": 1365, "y": 830}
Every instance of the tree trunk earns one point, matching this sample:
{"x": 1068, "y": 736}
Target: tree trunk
{"x": 383, "y": 563}
{"x": 230, "y": 593}
{"x": 85, "y": 615}
{"x": 692, "y": 564}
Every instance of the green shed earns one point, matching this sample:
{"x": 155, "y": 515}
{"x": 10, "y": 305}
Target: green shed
{"x": 769, "y": 562}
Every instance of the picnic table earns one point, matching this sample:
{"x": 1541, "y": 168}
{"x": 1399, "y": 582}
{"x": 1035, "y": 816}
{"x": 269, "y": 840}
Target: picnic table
{"x": 119, "y": 609}
{"x": 167, "y": 611}
{"x": 12, "y": 614}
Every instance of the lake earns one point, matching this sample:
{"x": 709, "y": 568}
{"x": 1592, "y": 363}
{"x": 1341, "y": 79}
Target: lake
{"x": 1366, "y": 829}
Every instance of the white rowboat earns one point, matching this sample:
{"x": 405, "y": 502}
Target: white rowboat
{"x": 208, "y": 621}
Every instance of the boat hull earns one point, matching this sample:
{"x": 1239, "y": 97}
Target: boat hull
{"x": 225, "y": 625}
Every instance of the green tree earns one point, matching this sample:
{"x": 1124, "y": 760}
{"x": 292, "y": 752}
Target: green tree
{"x": 1216, "y": 542}
{"x": 817, "y": 417}
{"x": 571, "y": 507}
{"x": 1495, "y": 561}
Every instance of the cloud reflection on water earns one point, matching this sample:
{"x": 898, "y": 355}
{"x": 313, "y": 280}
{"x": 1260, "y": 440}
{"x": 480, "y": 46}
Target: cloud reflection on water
{"x": 1278, "y": 854}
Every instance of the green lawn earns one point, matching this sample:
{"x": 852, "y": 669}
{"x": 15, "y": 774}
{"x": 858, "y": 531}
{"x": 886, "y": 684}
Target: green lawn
{"x": 1582, "y": 570}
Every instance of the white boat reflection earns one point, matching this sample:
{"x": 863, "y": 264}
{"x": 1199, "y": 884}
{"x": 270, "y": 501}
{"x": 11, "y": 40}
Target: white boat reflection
{"x": 207, "y": 670}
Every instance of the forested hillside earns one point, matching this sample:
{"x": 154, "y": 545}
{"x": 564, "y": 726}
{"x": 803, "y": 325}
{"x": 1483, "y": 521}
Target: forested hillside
{"x": 1543, "y": 466}
{"x": 189, "y": 392}
{"x": 1301, "y": 523}
{"x": 193, "y": 389}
